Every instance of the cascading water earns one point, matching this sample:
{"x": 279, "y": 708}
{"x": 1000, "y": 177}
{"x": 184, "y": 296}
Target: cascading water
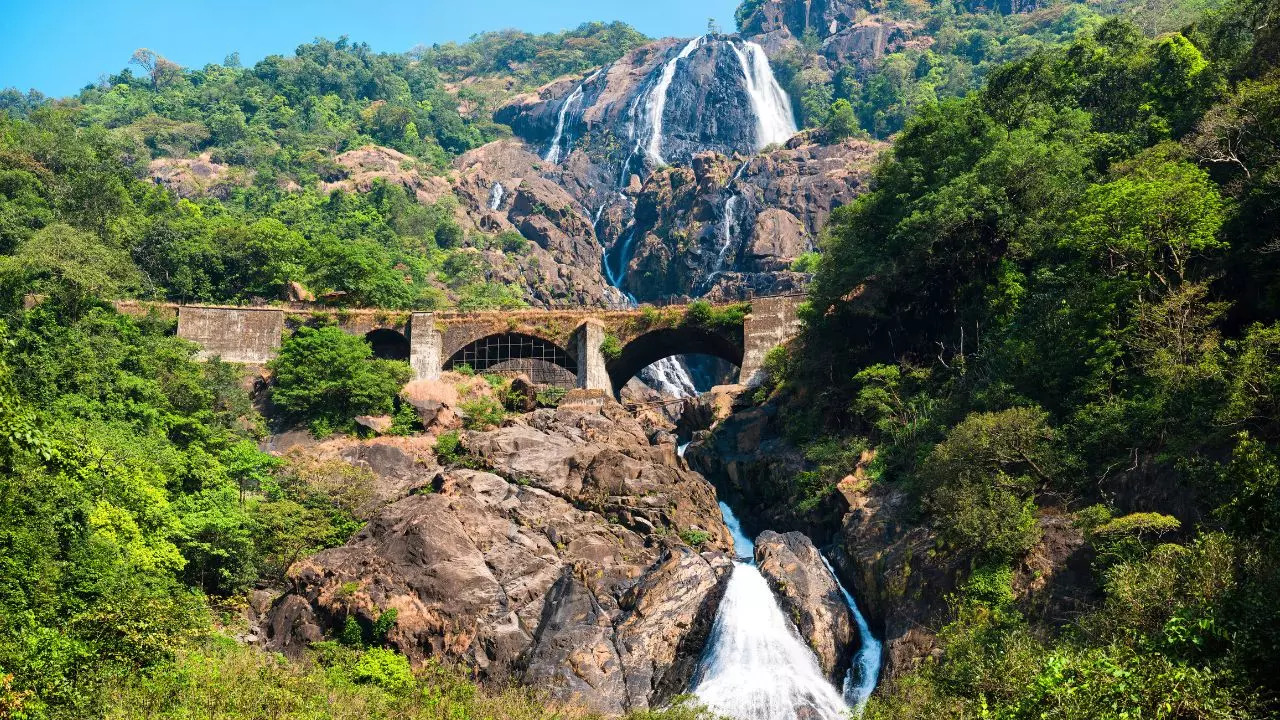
{"x": 726, "y": 227}
{"x": 756, "y": 666}
{"x": 775, "y": 120}
{"x": 864, "y": 671}
{"x": 657, "y": 102}
{"x": 495, "y": 195}
{"x": 554, "y": 153}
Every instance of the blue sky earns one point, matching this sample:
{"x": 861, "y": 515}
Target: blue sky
{"x": 58, "y": 46}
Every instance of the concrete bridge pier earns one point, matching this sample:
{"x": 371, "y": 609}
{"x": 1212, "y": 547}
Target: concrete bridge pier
{"x": 424, "y": 346}
{"x": 585, "y": 343}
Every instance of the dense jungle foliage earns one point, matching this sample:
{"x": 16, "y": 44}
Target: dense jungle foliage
{"x": 1060, "y": 298}
{"x": 1066, "y": 283}
{"x": 73, "y": 187}
{"x": 957, "y": 46}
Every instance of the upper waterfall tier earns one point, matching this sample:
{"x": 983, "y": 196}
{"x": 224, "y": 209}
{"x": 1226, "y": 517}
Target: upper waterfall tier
{"x": 661, "y": 103}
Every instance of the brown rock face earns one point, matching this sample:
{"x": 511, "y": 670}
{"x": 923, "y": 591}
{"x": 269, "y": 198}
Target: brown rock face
{"x": 198, "y": 176}
{"x": 778, "y": 238}
{"x": 809, "y": 595}
{"x": 700, "y": 232}
{"x": 360, "y": 167}
{"x": 504, "y": 187}
{"x": 561, "y": 568}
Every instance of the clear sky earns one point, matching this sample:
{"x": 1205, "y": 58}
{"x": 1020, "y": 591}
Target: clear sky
{"x": 58, "y": 46}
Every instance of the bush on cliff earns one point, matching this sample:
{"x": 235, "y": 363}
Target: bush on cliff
{"x": 327, "y": 376}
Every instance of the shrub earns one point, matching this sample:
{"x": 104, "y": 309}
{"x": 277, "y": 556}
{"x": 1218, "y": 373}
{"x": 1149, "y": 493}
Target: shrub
{"x": 806, "y": 262}
{"x": 698, "y": 313}
{"x": 841, "y": 121}
{"x": 979, "y": 481}
{"x": 1130, "y": 536}
{"x": 611, "y": 347}
{"x": 701, "y": 313}
{"x": 695, "y": 538}
{"x": 329, "y": 376}
{"x": 551, "y": 396}
{"x": 448, "y": 446}
{"x": 482, "y": 413}
{"x": 385, "y": 669}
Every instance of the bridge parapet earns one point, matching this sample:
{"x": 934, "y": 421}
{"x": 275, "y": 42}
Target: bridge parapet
{"x": 241, "y": 335}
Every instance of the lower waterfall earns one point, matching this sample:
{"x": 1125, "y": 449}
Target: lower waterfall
{"x": 756, "y": 666}
{"x": 863, "y": 673}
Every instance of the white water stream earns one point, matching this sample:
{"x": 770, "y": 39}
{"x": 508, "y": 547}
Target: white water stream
{"x": 555, "y": 153}
{"x": 860, "y": 680}
{"x": 775, "y": 120}
{"x": 657, "y": 103}
{"x": 495, "y": 195}
{"x": 727, "y": 226}
{"x": 756, "y": 666}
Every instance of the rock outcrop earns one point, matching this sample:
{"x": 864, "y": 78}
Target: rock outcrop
{"x": 356, "y": 170}
{"x": 560, "y": 565}
{"x": 809, "y": 595}
{"x": 849, "y": 31}
{"x": 885, "y": 553}
{"x": 728, "y": 227}
{"x": 197, "y": 176}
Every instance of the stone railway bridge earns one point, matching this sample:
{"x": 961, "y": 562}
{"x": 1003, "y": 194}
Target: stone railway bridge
{"x": 589, "y": 348}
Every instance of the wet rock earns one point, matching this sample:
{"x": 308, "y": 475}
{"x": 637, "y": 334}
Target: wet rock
{"x": 697, "y": 232}
{"x": 809, "y": 595}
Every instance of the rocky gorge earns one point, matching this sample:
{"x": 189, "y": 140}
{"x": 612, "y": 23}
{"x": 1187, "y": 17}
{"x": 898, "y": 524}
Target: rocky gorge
{"x": 571, "y": 549}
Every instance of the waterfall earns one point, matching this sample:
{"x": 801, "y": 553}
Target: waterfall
{"x": 495, "y": 196}
{"x": 670, "y": 376}
{"x": 554, "y": 153}
{"x": 756, "y": 666}
{"x": 864, "y": 671}
{"x": 775, "y": 120}
{"x": 618, "y": 269}
{"x": 726, "y": 228}
{"x": 657, "y": 102}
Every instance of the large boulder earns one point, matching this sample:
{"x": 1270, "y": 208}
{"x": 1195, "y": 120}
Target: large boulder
{"x": 808, "y": 593}
{"x": 561, "y": 567}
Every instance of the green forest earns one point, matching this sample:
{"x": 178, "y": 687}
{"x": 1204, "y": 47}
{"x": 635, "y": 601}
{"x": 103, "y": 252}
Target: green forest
{"x": 1066, "y": 283}
{"x": 1061, "y": 296}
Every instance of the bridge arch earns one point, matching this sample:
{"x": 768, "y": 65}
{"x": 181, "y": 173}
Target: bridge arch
{"x": 388, "y": 344}
{"x": 660, "y": 343}
{"x": 542, "y": 360}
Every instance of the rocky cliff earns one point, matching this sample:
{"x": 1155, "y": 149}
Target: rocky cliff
{"x": 850, "y": 32}
{"x": 558, "y": 563}
{"x": 726, "y": 227}
{"x": 886, "y": 554}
